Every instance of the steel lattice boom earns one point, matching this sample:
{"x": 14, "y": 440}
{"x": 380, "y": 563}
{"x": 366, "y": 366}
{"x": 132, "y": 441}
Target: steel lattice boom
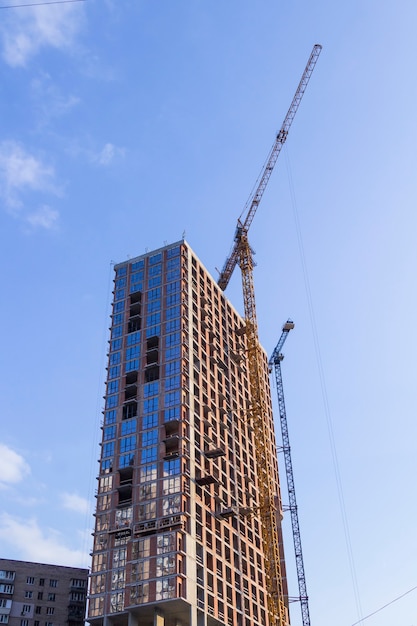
{"x": 275, "y": 363}
{"x": 260, "y": 185}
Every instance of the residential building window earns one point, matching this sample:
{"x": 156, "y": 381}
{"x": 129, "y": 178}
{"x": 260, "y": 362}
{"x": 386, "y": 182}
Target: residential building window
{"x": 51, "y": 597}
{"x": 24, "y": 622}
{"x": 30, "y": 580}
{"x": 109, "y": 433}
{"x": 38, "y": 610}
{"x": 127, "y": 444}
{"x": 112, "y": 401}
{"x": 40, "y": 595}
{"x": 133, "y": 338}
{"x": 50, "y": 610}
{"x": 149, "y": 454}
{"x": 149, "y": 438}
{"x": 138, "y": 265}
{"x": 150, "y": 421}
{"x": 128, "y": 426}
{"x": 26, "y": 608}
{"x": 172, "y": 467}
{"x": 28, "y": 594}
{"x": 148, "y": 472}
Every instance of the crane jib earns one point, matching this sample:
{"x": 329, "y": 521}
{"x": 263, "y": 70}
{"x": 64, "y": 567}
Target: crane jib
{"x": 260, "y": 186}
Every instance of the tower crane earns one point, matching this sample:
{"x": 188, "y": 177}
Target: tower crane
{"x": 275, "y": 363}
{"x": 269, "y": 500}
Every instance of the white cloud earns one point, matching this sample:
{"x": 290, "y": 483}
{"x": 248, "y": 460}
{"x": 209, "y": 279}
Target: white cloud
{"x": 22, "y": 172}
{"x": 27, "y": 31}
{"x": 76, "y": 503}
{"x": 13, "y": 467}
{"x": 108, "y": 154}
{"x": 44, "y": 217}
{"x": 35, "y": 544}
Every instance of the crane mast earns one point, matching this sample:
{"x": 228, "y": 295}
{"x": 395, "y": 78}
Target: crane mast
{"x": 269, "y": 500}
{"x": 275, "y": 363}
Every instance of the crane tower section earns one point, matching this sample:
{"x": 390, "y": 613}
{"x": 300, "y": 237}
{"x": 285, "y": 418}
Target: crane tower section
{"x": 275, "y": 364}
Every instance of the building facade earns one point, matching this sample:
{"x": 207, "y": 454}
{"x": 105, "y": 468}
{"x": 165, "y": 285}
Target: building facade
{"x": 177, "y": 537}
{"x": 36, "y": 594}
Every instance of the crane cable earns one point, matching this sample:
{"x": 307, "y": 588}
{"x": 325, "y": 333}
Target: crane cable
{"x": 39, "y": 4}
{"x": 385, "y": 605}
{"x": 324, "y": 395}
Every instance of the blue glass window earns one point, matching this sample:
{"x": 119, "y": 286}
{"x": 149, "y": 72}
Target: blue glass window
{"x": 172, "y": 383}
{"x": 137, "y": 277}
{"x": 153, "y": 294}
{"x": 156, "y": 258}
{"x": 173, "y": 287}
{"x": 153, "y": 331}
{"x": 173, "y": 413}
{"x": 116, "y": 344}
{"x": 110, "y": 417}
{"x": 150, "y": 405}
{"x": 149, "y": 454}
{"x": 120, "y": 294}
{"x": 150, "y": 421}
{"x": 112, "y": 401}
{"x": 155, "y": 270}
{"x": 128, "y": 427}
{"x": 173, "y": 264}
{"x": 138, "y": 265}
{"x": 151, "y": 389}
{"x": 171, "y": 398}
{"x": 153, "y": 306}
{"x": 116, "y": 331}
{"x": 173, "y": 298}
{"x": 150, "y": 438}
{"x": 173, "y": 325}
{"x": 133, "y": 338}
{"x": 173, "y": 312}
{"x": 173, "y": 275}
{"x": 121, "y": 271}
{"x": 172, "y": 340}
{"x": 121, "y": 282}
{"x": 173, "y": 367}
{"x": 117, "y": 319}
{"x": 119, "y": 306}
{"x": 171, "y": 468}
{"x": 173, "y": 252}
{"x": 172, "y": 353}
{"x": 106, "y": 465}
{"x": 114, "y": 372}
{"x": 113, "y": 386}
{"x": 155, "y": 281}
{"x": 136, "y": 287}
{"x": 108, "y": 449}
{"x": 154, "y": 318}
{"x": 109, "y": 433}
{"x": 126, "y": 459}
{"x": 132, "y": 365}
{"x": 132, "y": 352}
{"x": 114, "y": 358}
{"x": 127, "y": 444}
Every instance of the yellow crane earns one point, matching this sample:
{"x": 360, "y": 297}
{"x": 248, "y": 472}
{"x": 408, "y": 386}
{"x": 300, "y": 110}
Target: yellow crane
{"x": 269, "y": 509}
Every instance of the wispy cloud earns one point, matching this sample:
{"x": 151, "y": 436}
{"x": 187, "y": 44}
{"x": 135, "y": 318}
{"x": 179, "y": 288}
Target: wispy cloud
{"x": 36, "y": 544}
{"x": 49, "y": 99}
{"x": 107, "y": 154}
{"x": 27, "y": 31}
{"x": 44, "y": 217}
{"x": 74, "y": 502}
{"x": 20, "y": 172}
{"x": 13, "y": 467}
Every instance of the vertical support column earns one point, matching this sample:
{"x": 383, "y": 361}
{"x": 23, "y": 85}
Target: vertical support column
{"x": 132, "y": 619}
{"x": 158, "y": 618}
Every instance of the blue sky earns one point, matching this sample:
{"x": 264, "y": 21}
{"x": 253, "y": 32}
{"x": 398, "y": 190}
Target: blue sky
{"x": 124, "y": 124}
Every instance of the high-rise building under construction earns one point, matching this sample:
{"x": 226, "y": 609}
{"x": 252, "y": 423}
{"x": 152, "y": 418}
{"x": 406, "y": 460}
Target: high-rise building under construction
{"x": 178, "y": 538}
